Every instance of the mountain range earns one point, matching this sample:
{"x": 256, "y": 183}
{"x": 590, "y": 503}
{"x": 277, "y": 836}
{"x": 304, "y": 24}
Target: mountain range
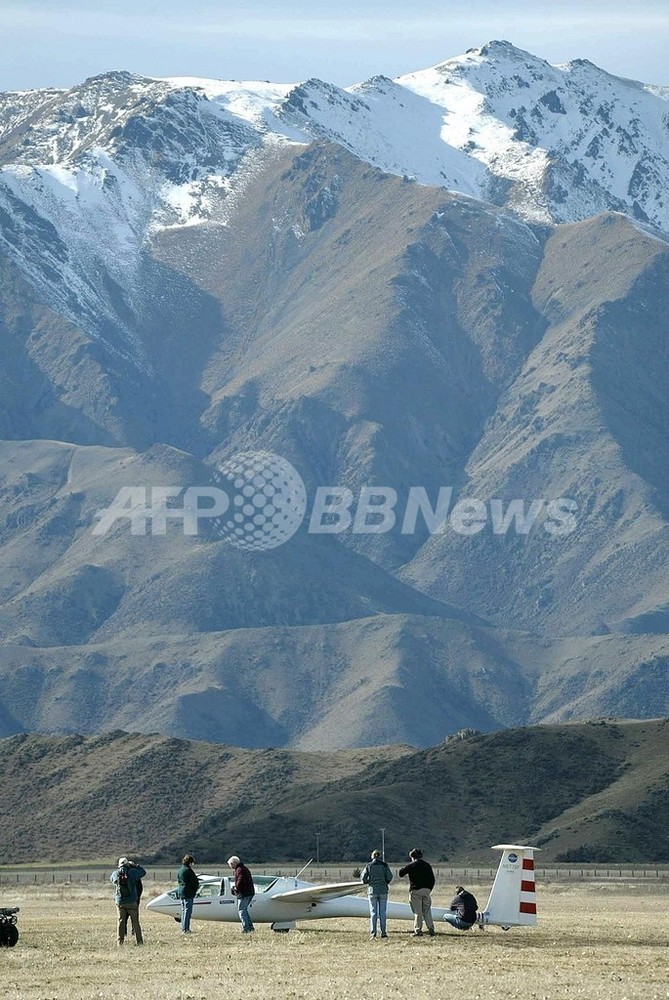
{"x": 584, "y": 792}
{"x": 456, "y": 279}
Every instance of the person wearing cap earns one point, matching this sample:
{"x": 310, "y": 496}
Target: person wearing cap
{"x": 244, "y": 890}
{"x": 421, "y": 884}
{"x": 126, "y": 878}
{"x": 189, "y": 883}
{"x": 377, "y": 876}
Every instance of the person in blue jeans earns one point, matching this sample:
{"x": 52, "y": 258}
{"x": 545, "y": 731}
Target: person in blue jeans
{"x": 187, "y": 891}
{"x": 377, "y": 876}
{"x": 464, "y": 909}
{"x": 244, "y": 890}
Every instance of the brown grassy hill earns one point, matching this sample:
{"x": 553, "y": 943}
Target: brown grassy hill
{"x": 595, "y": 791}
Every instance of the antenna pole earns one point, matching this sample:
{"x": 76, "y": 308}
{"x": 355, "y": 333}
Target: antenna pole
{"x": 304, "y": 868}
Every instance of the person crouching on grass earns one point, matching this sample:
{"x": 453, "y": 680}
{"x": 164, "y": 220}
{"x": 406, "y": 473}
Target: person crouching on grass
{"x": 189, "y": 883}
{"x": 463, "y": 909}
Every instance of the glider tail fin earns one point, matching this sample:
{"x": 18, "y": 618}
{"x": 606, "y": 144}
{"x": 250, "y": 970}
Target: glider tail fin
{"x": 512, "y": 901}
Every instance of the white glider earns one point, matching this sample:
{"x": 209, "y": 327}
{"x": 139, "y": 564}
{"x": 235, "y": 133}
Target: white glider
{"x": 281, "y": 901}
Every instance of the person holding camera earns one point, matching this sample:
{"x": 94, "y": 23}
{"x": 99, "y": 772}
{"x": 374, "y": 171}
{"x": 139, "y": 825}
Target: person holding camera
{"x": 127, "y": 878}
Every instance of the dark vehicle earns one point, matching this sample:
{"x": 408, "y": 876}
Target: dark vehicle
{"x": 9, "y": 932}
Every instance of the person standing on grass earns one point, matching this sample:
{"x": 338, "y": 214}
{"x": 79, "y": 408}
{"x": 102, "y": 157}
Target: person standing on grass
{"x": 377, "y": 876}
{"x": 139, "y": 885}
{"x": 244, "y": 890}
{"x": 421, "y": 884}
{"x": 126, "y": 878}
{"x": 189, "y": 883}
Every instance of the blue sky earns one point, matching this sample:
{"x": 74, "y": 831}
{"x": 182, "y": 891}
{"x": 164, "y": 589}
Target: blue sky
{"x": 60, "y": 42}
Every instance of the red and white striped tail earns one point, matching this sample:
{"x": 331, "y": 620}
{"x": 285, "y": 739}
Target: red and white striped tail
{"x": 513, "y": 897}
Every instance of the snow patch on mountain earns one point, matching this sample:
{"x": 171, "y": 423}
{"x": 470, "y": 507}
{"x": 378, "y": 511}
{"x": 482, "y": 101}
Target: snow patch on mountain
{"x": 389, "y": 127}
{"x": 251, "y": 101}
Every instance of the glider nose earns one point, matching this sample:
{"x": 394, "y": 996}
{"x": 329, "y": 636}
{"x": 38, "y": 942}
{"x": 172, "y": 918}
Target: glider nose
{"x": 161, "y": 904}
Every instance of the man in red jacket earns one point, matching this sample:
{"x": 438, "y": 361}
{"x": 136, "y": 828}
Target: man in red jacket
{"x": 244, "y": 890}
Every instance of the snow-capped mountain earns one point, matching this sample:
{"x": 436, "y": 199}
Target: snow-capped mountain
{"x": 568, "y": 140}
{"x": 398, "y": 283}
{"x": 87, "y": 175}
{"x": 571, "y": 140}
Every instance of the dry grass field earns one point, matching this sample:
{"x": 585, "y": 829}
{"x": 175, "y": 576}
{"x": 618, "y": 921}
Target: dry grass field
{"x": 596, "y": 941}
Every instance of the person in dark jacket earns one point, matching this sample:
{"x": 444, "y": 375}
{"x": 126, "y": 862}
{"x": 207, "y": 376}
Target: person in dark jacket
{"x": 189, "y": 883}
{"x": 377, "y": 876}
{"x": 421, "y": 884}
{"x": 244, "y": 890}
{"x": 139, "y": 886}
{"x": 126, "y": 878}
{"x": 463, "y": 909}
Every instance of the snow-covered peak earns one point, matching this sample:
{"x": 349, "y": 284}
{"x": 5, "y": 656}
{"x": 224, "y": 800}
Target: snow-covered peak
{"x": 573, "y": 140}
{"x": 55, "y": 126}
